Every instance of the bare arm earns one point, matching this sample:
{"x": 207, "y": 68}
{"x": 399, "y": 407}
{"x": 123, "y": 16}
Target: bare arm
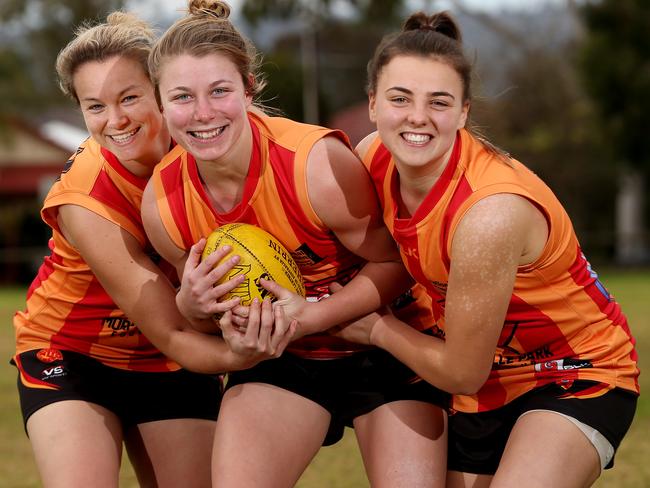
{"x": 157, "y": 233}
{"x": 364, "y": 145}
{"x": 343, "y": 197}
{"x": 496, "y": 236}
{"x": 197, "y": 298}
{"x": 141, "y": 290}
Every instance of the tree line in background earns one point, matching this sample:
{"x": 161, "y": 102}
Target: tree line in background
{"x": 564, "y": 89}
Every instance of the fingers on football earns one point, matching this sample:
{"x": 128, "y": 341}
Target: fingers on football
{"x": 194, "y": 256}
{"x": 281, "y": 330}
{"x": 277, "y": 290}
{"x": 217, "y": 291}
{"x": 220, "y": 307}
{"x": 218, "y": 262}
{"x": 241, "y": 311}
{"x": 266, "y": 322}
{"x": 285, "y": 338}
{"x": 225, "y": 323}
{"x": 253, "y": 326}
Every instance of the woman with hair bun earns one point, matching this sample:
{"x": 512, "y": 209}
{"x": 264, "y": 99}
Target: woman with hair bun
{"x": 303, "y": 184}
{"x": 537, "y": 353}
{"x": 89, "y": 379}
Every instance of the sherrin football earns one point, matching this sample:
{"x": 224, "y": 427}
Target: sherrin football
{"x": 261, "y": 256}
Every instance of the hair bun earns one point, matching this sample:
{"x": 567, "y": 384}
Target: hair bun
{"x": 119, "y": 18}
{"x": 212, "y": 8}
{"x": 418, "y": 20}
{"x": 441, "y": 22}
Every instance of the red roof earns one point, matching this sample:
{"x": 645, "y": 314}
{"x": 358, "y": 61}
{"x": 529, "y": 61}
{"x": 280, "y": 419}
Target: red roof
{"x": 28, "y": 160}
{"x": 354, "y": 121}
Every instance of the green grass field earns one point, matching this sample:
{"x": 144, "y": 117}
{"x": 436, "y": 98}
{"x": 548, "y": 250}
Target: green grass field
{"x": 340, "y": 466}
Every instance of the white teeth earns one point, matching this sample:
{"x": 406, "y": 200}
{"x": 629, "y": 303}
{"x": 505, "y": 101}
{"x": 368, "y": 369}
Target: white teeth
{"x": 122, "y": 138}
{"x": 416, "y": 138}
{"x": 208, "y": 134}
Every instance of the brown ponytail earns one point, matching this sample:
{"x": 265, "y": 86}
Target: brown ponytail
{"x": 435, "y": 36}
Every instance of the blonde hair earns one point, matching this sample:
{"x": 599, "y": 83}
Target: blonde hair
{"x": 207, "y": 30}
{"x": 123, "y": 34}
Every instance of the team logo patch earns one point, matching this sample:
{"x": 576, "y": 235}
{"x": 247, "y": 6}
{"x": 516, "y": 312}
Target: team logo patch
{"x": 49, "y": 355}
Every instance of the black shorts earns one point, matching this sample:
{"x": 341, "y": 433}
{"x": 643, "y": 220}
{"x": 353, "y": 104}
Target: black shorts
{"x": 477, "y": 440}
{"x": 346, "y": 387}
{"x": 134, "y": 397}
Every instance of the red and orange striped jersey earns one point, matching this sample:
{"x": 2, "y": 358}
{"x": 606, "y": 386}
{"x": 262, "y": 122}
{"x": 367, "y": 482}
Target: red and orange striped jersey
{"x": 561, "y": 323}
{"x": 274, "y": 198}
{"x": 67, "y": 308}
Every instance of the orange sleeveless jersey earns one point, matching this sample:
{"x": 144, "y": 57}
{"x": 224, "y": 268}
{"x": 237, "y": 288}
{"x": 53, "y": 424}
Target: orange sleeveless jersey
{"x": 275, "y": 199}
{"x": 561, "y": 324}
{"x": 67, "y": 308}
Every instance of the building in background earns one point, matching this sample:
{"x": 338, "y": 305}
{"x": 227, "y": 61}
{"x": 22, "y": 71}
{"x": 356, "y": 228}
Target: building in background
{"x": 32, "y": 155}
{"x": 354, "y": 121}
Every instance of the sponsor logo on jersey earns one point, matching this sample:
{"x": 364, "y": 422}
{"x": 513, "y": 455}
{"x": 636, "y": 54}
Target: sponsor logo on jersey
{"x": 68, "y": 163}
{"x": 305, "y": 256}
{"x": 121, "y": 326}
{"x": 563, "y": 364}
{"x": 440, "y": 287}
{"x": 49, "y": 355}
{"x": 411, "y": 252}
{"x": 505, "y": 358}
{"x": 597, "y": 283}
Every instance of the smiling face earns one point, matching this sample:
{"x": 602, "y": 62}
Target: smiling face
{"x": 418, "y": 107}
{"x": 119, "y": 107}
{"x": 205, "y": 102}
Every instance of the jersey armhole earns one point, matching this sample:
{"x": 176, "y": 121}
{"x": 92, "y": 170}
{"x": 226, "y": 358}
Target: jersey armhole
{"x": 300, "y": 171}
{"x": 494, "y": 190}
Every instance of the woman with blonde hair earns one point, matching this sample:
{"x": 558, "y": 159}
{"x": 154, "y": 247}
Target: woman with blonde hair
{"x": 90, "y": 375}
{"x": 304, "y": 185}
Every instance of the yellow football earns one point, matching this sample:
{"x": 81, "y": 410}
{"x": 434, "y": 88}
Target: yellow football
{"x": 261, "y": 256}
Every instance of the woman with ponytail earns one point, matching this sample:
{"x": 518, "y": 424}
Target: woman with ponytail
{"x": 96, "y": 345}
{"x": 303, "y": 184}
{"x": 537, "y": 353}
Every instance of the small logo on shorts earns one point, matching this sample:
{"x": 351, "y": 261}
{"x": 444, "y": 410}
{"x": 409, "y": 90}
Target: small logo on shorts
{"x": 49, "y": 355}
{"x": 53, "y": 372}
